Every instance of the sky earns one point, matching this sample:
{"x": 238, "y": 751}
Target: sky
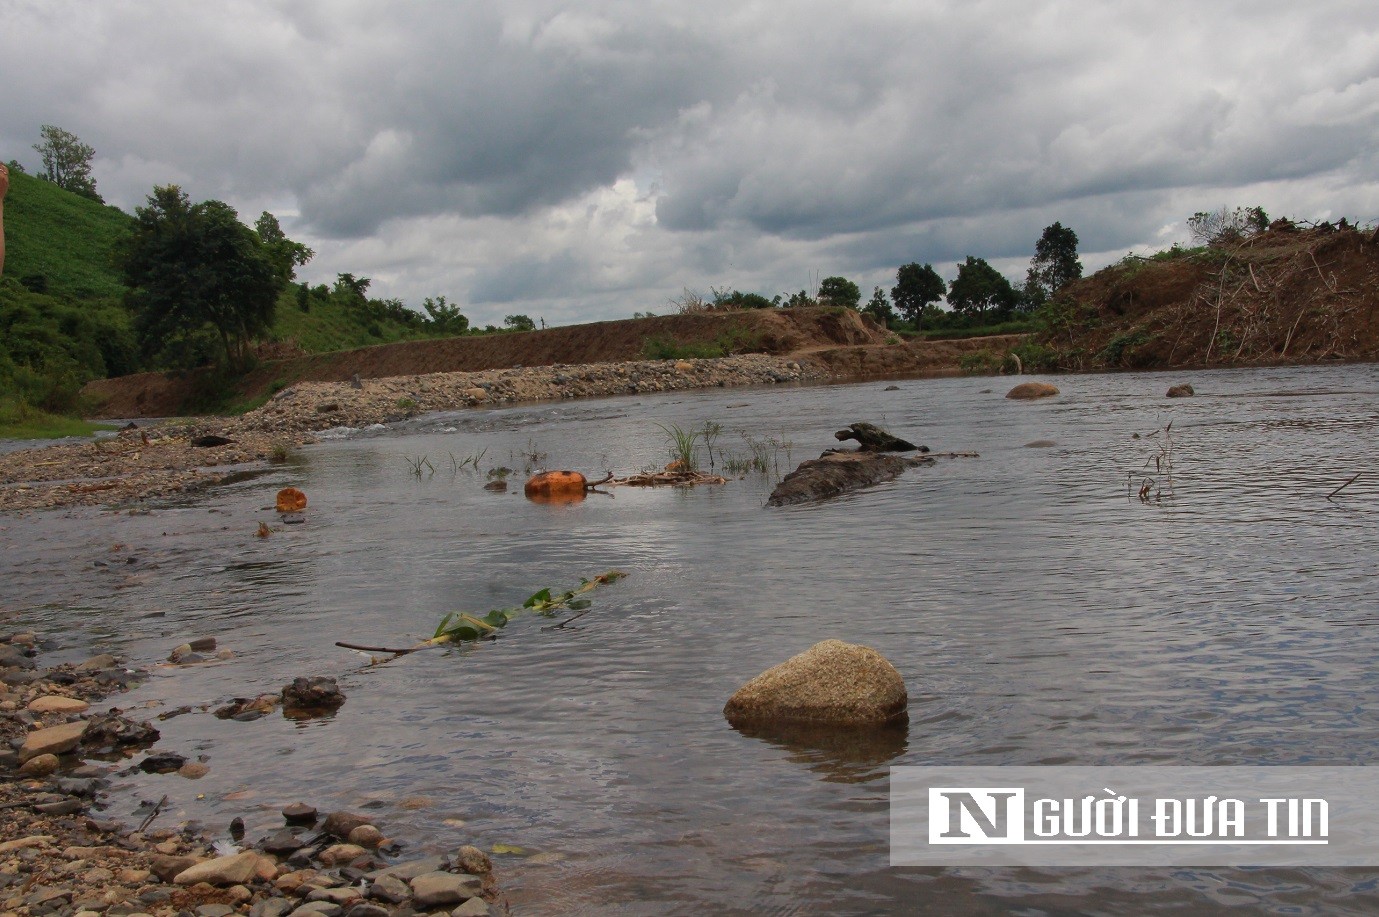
{"x": 581, "y": 161}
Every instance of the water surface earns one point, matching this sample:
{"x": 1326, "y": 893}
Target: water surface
{"x": 1039, "y": 612}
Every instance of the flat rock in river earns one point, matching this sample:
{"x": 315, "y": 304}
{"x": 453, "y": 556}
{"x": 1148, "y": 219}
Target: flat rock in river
{"x": 835, "y": 473}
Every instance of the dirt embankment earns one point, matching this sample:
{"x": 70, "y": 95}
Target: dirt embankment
{"x": 1291, "y": 294}
{"x": 776, "y": 331}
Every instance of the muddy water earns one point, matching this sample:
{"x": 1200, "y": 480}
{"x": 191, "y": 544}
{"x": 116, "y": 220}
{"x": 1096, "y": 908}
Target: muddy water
{"x": 1039, "y": 613}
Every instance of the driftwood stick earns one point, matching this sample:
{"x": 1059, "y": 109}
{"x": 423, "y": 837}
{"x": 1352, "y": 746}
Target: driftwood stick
{"x": 152, "y": 815}
{"x": 383, "y": 649}
{"x": 567, "y": 620}
{"x": 1344, "y": 486}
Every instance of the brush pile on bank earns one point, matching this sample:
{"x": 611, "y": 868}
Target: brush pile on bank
{"x": 1292, "y": 294}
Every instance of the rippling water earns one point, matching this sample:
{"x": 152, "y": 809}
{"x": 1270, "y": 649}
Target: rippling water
{"x": 1039, "y": 612}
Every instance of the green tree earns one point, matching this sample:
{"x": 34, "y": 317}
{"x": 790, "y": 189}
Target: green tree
{"x": 981, "y": 292}
{"x": 519, "y": 323}
{"x": 192, "y": 267}
{"x": 445, "y": 317}
{"x": 287, "y": 255}
{"x": 67, "y": 161}
{"x": 736, "y": 299}
{"x": 839, "y": 291}
{"x": 916, "y": 286}
{"x": 1054, "y": 264}
{"x": 879, "y": 308}
{"x": 349, "y": 287}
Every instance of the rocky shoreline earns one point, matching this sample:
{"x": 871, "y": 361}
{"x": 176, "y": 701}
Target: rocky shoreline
{"x": 59, "y": 857}
{"x": 165, "y": 460}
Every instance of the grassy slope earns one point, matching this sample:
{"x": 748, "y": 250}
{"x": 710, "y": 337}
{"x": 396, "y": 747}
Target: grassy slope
{"x": 62, "y": 236}
{"x": 330, "y": 326}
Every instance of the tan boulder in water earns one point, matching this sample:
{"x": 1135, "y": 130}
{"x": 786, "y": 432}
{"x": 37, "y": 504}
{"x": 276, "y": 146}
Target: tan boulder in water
{"x": 1028, "y": 391}
{"x": 831, "y": 682}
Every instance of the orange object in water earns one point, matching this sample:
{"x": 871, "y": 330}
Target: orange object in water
{"x": 291, "y": 500}
{"x": 676, "y": 466}
{"x": 556, "y": 487}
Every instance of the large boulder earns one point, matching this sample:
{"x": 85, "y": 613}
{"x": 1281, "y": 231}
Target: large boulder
{"x": 1029, "y": 391}
{"x": 1183, "y": 390}
{"x": 832, "y": 682}
{"x": 834, "y": 473}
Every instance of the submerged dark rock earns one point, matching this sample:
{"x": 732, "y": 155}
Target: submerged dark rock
{"x": 317, "y": 694}
{"x": 834, "y": 473}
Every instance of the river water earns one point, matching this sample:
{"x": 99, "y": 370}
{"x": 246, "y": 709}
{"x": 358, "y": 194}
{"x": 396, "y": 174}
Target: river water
{"x": 1039, "y": 612}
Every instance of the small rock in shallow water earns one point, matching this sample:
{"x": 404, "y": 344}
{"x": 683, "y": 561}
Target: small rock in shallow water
{"x": 299, "y": 813}
{"x": 162, "y": 763}
{"x": 473, "y": 861}
{"x": 366, "y": 836}
{"x": 317, "y": 694}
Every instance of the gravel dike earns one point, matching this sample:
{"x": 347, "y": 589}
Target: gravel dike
{"x": 176, "y": 458}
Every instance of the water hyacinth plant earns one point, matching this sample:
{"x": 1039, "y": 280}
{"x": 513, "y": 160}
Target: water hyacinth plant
{"x": 459, "y": 626}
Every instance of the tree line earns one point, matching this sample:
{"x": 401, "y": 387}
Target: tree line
{"x": 979, "y": 294}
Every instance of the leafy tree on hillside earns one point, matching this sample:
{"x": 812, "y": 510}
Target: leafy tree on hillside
{"x": 916, "y": 286}
{"x": 736, "y": 299}
{"x": 981, "y": 292}
{"x": 839, "y": 291}
{"x": 287, "y": 255}
{"x": 519, "y": 323}
{"x": 192, "y": 267}
{"x": 349, "y": 286}
{"x": 1054, "y": 264}
{"x": 445, "y": 317}
{"x": 67, "y": 161}
{"x": 879, "y": 308}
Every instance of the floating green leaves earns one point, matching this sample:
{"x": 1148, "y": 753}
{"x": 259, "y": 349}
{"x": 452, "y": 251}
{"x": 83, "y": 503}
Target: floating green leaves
{"x": 461, "y": 627}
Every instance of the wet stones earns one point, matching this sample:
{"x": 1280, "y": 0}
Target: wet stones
{"x": 165, "y": 762}
{"x": 312, "y": 696}
{"x": 340, "y": 824}
{"x": 226, "y": 870}
{"x": 111, "y": 730}
{"x": 57, "y": 703}
{"x": 245, "y": 709}
{"x": 53, "y": 740}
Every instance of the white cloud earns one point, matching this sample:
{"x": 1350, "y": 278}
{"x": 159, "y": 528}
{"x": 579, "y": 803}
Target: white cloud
{"x": 588, "y": 160}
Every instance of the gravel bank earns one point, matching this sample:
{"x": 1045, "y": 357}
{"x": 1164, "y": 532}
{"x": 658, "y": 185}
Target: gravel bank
{"x": 59, "y": 857}
{"x": 162, "y": 461}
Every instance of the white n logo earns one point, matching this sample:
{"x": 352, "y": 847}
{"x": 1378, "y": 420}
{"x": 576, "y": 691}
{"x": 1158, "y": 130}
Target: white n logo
{"x": 976, "y": 815}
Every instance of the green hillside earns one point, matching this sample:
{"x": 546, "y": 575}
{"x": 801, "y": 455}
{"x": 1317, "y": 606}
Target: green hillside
{"x": 62, "y": 238}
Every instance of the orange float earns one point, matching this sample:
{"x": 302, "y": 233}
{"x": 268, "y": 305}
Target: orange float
{"x": 556, "y": 487}
{"x": 291, "y": 500}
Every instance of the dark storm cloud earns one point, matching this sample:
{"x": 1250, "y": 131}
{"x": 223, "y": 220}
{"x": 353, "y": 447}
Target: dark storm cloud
{"x": 600, "y": 156}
